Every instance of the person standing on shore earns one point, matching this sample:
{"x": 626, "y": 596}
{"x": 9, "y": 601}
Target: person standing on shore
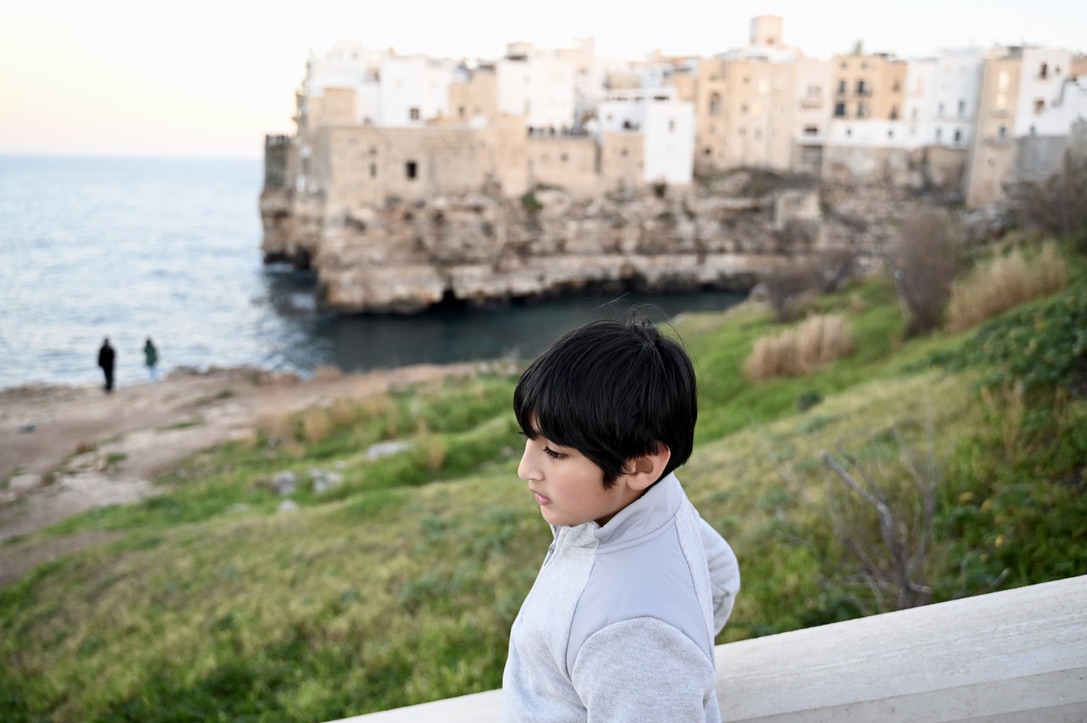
{"x": 106, "y": 359}
{"x": 151, "y": 358}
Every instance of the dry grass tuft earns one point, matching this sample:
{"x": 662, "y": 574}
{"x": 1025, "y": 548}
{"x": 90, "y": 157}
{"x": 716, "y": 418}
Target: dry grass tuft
{"x": 327, "y": 373}
{"x": 344, "y": 412}
{"x": 819, "y": 340}
{"x": 276, "y": 425}
{"x": 432, "y": 448}
{"x": 316, "y": 425}
{"x": 1005, "y": 282}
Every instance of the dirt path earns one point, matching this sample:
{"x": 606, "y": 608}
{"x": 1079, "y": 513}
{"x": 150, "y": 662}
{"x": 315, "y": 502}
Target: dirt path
{"x": 65, "y": 450}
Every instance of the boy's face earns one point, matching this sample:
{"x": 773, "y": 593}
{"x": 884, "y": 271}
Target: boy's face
{"x": 568, "y": 486}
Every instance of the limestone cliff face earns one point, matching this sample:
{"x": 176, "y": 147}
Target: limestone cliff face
{"x": 403, "y": 257}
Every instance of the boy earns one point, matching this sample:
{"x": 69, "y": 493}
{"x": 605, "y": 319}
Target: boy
{"x": 620, "y": 623}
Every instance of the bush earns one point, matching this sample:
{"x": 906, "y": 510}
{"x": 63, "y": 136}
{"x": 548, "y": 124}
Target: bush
{"x": 819, "y": 340}
{"x": 1005, "y": 282}
{"x": 786, "y": 286}
{"x": 836, "y": 266}
{"x": 530, "y": 203}
{"x": 924, "y": 265}
{"x": 1057, "y": 204}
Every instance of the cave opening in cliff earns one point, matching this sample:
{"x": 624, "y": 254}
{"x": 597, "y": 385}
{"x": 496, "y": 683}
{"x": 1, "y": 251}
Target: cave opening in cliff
{"x": 450, "y": 301}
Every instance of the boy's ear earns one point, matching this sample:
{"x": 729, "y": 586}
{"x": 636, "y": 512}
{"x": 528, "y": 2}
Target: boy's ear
{"x": 647, "y": 469}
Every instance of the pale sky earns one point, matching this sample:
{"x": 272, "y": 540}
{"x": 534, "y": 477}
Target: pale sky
{"x": 209, "y": 79}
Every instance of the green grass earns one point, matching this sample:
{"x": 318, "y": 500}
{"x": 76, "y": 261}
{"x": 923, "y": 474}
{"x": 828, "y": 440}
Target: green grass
{"x": 399, "y": 585}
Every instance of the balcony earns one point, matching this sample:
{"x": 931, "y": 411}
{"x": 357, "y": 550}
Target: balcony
{"x": 1012, "y": 656}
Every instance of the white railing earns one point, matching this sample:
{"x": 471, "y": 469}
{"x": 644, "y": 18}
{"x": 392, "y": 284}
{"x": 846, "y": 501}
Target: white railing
{"x": 1017, "y": 655}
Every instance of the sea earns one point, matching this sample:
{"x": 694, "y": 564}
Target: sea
{"x": 169, "y": 249}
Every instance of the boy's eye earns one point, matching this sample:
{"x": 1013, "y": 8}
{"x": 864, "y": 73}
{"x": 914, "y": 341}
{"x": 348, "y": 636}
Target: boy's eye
{"x": 553, "y": 454}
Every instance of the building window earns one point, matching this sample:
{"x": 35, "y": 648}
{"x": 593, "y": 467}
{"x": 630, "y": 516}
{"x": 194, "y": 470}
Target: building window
{"x": 1039, "y": 106}
{"x": 1002, "y": 132}
{"x": 715, "y": 104}
{"x": 939, "y": 133}
{"x": 671, "y": 126}
{"x": 958, "y": 136}
{"x": 863, "y": 88}
{"x": 411, "y": 169}
{"x": 839, "y": 110}
{"x": 373, "y": 170}
{"x": 842, "y": 87}
{"x": 894, "y": 112}
{"x": 460, "y": 111}
{"x": 962, "y": 108}
{"x": 413, "y": 113}
{"x": 811, "y": 130}
{"x": 1043, "y": 72}
{"x": 862, "y": 110}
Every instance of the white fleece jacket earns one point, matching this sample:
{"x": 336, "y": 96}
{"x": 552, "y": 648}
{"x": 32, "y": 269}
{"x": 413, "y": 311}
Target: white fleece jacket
{"x": 619, "y": 625}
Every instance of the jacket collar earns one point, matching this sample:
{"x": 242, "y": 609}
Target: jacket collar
{"x": 642, "y": 517}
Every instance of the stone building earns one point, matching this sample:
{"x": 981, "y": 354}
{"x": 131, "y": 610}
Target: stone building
{"x": 748, "y": 105}
{"x": 1031, "y": 100}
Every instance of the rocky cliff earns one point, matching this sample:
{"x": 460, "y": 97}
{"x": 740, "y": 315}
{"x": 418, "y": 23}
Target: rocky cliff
{"x": 402, "y": 257}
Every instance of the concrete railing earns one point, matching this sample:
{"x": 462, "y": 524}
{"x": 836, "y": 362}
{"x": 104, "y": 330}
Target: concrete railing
{"x": 1013, "y": 656}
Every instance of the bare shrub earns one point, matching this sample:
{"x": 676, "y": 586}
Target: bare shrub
{"x": 818, "y": 341}
{"x": 1059, "y": 203}
{"x": 786, "y": 286}
{"x": 1005, "y": 282}
{"x": 924, "y": 264}
{"x": 886, "y": 525}
{"x": 836, "y": 266}
{"x": 798, "y": 235}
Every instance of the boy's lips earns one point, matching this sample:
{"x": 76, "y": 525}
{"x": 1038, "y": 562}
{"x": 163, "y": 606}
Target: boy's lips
{"x": 540, "y": 499}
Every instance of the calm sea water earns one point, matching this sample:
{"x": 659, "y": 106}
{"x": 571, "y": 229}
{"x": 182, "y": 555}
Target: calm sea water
{"x": 131, "y": 248}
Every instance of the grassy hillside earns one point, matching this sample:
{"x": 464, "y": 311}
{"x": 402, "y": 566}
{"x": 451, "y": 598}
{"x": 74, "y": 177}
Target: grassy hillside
{"x": 398, "y": 584}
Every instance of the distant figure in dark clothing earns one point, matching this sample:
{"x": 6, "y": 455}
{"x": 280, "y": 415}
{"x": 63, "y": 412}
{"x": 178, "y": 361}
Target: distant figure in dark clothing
{"x": 151, "y": 358}
{"x": 106, "y": 357}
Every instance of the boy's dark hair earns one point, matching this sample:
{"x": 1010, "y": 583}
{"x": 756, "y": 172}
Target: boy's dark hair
{"x": 612, "y": 390}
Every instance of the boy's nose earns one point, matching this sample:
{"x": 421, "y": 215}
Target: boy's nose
{"x": 525, "y": 468}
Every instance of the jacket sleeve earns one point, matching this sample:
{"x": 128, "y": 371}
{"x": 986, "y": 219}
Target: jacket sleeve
{"x": 644, "y": 670}
{"x": 724, "y": 574}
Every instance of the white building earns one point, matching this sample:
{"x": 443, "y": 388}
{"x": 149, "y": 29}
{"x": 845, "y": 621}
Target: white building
{"x": 414, "y": 90}
{"x": 539, "y": 87}
{"x": 954, "y": 98}
{"x": 351, "y": 66}
{"x": 1050, "y": 99}
{"x": 667, "y": 126}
